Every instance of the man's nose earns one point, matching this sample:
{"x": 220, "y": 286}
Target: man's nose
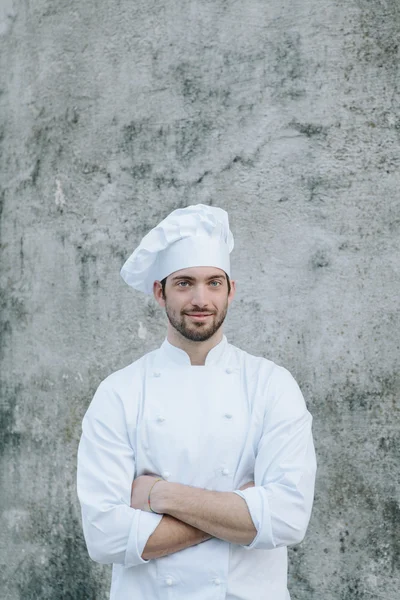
{"x": 199, "y": 297}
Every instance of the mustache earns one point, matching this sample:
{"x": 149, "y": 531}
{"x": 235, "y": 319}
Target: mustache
{"x": 199, "y": 311}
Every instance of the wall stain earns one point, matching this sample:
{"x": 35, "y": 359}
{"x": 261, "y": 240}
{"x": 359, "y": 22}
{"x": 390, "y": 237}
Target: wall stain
{"x": 364, "y": 522}
{"x": 288, "y": 66}
{"x": 5, "y": 330}
{"x": 370, "y": 398}
{"x": 309, "y": 129}
{"x": 21, "y": 254}
{"x": 141, "y": 141}
{"x": 35, "y": 171}
{"x": 391, "y": 516}
{"x": 348, "y": 489}
{"x": 61, "y": 568}
{"x": 192, "y": 138}
{"x": 298, "y": 574}
{"x": 196, "y": 89}
{"x": 118, "y": 252}
{"x": 72, "y": 115}
{"x": 141, "y": 171}
{"x": 353, "y": 398}
{"x": 379, "y": 24}
{"x": 389, "y": 445}
{"x": 314, "y": 185}
{"x": 160, "y": 181}
{"x": 320, "y": 260}
{"x": 202, "y": 176}
{"x": 92, "y": 168}
{"x": 353, "y": 589}
{"x": 13, "y": 314}
{"x": 343, "y": 541}
{"x": 2, "y": 199}
{"x": 9, "y": 438}
{"x": 88, "y": 262}
{"x": 133, "y": 130}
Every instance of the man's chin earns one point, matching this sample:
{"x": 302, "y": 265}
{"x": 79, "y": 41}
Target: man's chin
{"x": 199, "y": 332}
{"x": 200, "y": 329}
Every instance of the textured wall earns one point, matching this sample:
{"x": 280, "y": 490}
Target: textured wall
{"x": 285, "y": 113}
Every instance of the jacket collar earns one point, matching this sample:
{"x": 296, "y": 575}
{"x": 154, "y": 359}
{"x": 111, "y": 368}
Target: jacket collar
{"x": 178, "y": 356}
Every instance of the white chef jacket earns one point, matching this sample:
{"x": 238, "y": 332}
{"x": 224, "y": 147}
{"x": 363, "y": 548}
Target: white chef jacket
{"x": 236, "y": 419}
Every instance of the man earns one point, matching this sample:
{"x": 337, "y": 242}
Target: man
{"x": 196, "y": 465}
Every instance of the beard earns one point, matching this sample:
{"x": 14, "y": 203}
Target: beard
{"x": 200, "y": 331}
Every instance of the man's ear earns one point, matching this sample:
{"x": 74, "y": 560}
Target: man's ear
{"x": 158, "y": 293}
{"x": 232, "y": 293}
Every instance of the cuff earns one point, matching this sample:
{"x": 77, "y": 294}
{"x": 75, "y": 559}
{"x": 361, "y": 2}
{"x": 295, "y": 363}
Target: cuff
{"x": 143, "y": 525}
{"x": 257, "y": 504}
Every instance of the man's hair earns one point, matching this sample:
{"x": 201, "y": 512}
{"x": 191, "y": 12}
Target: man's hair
{"x": 164, "y": 282}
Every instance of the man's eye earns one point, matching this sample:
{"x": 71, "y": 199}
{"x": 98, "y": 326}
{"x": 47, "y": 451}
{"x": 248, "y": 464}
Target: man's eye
{"x": 215, "y": 283}
{"x": 183, "y": 283}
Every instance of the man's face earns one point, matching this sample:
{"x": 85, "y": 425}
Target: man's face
{"x": 196, "y": 301}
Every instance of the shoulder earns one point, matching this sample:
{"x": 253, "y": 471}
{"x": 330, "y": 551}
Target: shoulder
{"x": 270, "y": 381}
{"x": 251, "y": 364}
{"x": 129, "y": 375}
{"x": 279, "y": 374}
{"x": 122, "y": 388}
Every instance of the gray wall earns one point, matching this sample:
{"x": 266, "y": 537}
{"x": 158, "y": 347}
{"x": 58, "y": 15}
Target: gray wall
{"x": 287, "y": 115}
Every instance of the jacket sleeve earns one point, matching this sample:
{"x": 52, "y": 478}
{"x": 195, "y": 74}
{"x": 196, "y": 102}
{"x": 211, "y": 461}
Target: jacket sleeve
{"x": 114, "y": 532}
{"x": 280, "y": 503}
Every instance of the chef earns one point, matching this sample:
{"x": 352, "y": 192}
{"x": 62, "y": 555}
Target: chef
{"x": 196, "y": 465}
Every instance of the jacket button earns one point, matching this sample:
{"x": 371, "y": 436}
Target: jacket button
{"x": 165, "y": 474}
{"x": 225, "y": 471}
{"x": 228, "y": 416}
{"x": 160, "y": 418}
{"x": 156, "y": 374}
{"x": 229, "y": 370}
{"x": 217, "y": 581}
{"x": 169, "y": 581}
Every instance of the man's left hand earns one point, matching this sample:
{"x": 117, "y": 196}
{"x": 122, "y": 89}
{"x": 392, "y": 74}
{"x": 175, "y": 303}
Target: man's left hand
{"x": 140, "y": 491}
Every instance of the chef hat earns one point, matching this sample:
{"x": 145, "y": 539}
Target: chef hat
{"x": 195, "y": 236}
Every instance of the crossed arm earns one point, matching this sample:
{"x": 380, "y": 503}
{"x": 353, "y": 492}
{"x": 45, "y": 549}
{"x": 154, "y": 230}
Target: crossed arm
{"x": 191, "y": 516}
{"x": 280, "y": 504}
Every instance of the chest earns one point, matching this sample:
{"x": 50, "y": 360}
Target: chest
{"x": 193, "y": 423}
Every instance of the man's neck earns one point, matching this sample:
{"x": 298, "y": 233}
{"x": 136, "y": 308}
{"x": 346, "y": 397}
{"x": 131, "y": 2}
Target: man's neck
{"x": 197, "y": 351}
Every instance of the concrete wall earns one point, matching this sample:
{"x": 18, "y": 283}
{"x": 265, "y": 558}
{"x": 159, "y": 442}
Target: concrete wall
{"x": 287, "y": 115}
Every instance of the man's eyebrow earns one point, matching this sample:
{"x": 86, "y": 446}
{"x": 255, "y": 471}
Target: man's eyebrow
{"x": 189, "y": 278}
{"x": 183, "y": 277}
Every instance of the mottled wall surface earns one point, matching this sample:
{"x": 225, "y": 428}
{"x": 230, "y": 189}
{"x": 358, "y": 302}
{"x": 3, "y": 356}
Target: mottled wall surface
{"x": 286, "y": 114}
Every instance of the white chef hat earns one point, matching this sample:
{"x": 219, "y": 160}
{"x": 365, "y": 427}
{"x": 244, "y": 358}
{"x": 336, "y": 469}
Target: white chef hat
{"x": 195, "y": 236}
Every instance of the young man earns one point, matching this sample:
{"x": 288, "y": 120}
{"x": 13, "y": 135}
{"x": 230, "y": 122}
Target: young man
{"x": 196, "y": 464}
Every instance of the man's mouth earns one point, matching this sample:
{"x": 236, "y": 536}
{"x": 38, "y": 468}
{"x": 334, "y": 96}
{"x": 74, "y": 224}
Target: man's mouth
{"x": 202, "y": 316}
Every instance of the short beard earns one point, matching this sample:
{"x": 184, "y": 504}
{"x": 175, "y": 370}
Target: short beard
{"x": 198, "y": 332}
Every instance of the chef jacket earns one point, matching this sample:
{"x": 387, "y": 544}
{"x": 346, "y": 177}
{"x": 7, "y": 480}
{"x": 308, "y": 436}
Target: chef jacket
{"x": 236, "y": 419}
